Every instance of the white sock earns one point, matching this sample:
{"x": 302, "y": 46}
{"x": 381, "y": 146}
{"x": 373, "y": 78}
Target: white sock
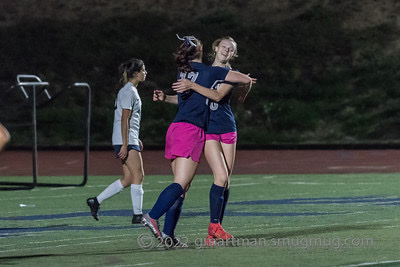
{"x": 137, "y": 198}
{"x": 111, "y": 190}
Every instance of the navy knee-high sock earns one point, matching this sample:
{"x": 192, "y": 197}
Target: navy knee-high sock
{"x": 216, "y": 202}
{"x": 226, "y": 197}
{"x": 172, "y": 217}
{"x": 165, "y": 200}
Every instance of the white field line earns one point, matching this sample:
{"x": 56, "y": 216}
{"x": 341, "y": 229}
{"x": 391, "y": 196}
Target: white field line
{"x": 68, "y": 240}
{"x": 269, "y": 177}
{"x": 206, "y": 180}
{"x": 391, "y": 226}
{"x": 371, "y": 183}
{"x": 309, "y": 183}
{"x": 371, "y": 263}
{"x": 136, "y": 264}
{"x": 232, "y": 185}
{"x": 58, "y": 246}
{"x": 378, "y": 221}
{"x": 44, "y": 197}
{"x": 242, "y": 178}
{"x": 359, "y": 167}
{"x": 75, "y": 239}
{"x": 105, "y": 185}
{"x": 196, "y": 180}
{"x": 247, "y": 184}
{"x": 63, "y": 188}
{"x": 319, "y": 183}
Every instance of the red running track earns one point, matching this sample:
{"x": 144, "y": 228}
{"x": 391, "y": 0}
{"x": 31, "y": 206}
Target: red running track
{"x": 247, "y": 162}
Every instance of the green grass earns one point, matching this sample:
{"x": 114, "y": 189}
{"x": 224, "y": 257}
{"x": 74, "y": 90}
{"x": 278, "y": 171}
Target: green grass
{"x": 277, "y": 220}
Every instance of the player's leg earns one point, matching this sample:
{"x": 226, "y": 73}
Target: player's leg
{"x": 118, "y": 185}
{"x": 111, "y": 190}
{"x": 229, "y": 151}
{"x": 172, "y": 217}
{"x": 135, "y": 176}
{"x": 184, "y": 170}
{"x": 184, "y": 145}
{"x": 216, "y": 160}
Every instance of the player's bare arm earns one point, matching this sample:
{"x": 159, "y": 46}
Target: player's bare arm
{"x": 160, "y": 96}
{"x": 215, "y": 95}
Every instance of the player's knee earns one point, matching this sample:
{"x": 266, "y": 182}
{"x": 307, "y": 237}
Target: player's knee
{"x": 126, "y": 181}
{"x": 221, "y": 180}
{"x": 138, "y": 179}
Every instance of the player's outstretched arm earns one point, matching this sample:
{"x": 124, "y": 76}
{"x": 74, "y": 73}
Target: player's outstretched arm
{"x": 215, "y": 95}
{"x": 238, "y": 77}
{"x": 160, "y": 96}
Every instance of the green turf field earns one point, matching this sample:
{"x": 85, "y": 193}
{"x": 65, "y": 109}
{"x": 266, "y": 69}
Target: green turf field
{"x": 276, "y": 220}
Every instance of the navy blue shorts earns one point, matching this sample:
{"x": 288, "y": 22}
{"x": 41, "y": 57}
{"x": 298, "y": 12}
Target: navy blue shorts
{"x": 117, "y": 148}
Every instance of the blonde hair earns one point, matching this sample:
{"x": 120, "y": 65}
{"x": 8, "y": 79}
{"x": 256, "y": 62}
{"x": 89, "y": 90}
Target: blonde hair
{"x": 216, "y": 44}
{"x": 124, "y": 77}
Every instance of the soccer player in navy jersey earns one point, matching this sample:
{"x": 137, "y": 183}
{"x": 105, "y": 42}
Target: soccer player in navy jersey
{"x": 221, "y": 135}
{"x": 186, "y": 135}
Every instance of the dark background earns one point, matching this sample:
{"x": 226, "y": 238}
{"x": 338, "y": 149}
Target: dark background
{"x": 328, "y": 71}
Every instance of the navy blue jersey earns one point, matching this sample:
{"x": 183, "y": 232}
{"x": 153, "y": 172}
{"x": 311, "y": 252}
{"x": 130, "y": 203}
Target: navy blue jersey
{"x": 192, "y": 106}
{"x": 221, "y": 116}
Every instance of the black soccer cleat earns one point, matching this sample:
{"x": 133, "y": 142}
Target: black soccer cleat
{"x": 94, "y": 207}
{"x": 137, "y": 218}
{"x": 170, "y": 241}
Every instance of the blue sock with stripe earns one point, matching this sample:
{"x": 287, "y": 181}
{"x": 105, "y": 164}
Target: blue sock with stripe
{"x": 216, "y": 202}
{"x": 165, "y": 200}
{"x": 172, "y": 217}
{"x": 226, "y": 197}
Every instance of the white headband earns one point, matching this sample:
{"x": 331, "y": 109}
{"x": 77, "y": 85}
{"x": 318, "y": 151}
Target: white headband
{"x": 188, "y": 39}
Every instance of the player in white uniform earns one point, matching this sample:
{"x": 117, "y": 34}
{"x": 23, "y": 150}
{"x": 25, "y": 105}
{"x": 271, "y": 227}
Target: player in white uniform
{"x": 125, "y": 139}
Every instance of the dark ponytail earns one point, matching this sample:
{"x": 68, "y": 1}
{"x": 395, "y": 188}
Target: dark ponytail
{"x": 128, "y": 69}
{"x": 187, "y": 52}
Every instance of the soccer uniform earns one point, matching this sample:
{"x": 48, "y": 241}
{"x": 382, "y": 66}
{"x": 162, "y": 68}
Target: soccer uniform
{"x": 185, "y": 136}
{"x": 221, "y": 125}
{"x": 127, "y": 98}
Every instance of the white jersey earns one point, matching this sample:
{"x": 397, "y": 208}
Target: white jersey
{"x": 127, "y": 98}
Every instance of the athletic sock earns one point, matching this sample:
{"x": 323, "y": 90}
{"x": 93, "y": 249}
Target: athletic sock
{"x": 111, "y": 190}
{"x": 165, "y": 200}
{"x": 172, "y": 217}
{"x": 226, "y": 197}
{"x": 137, "y": 198}
{"x": 216, "y": 202}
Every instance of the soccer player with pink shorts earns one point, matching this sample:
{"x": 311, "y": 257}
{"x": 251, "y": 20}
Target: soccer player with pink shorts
{"x": 186, "y": 135}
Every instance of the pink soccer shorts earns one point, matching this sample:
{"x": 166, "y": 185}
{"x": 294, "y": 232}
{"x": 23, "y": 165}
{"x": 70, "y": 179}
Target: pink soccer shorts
{"x": 226, "y": 138}
{"x": 184, "y": 140}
